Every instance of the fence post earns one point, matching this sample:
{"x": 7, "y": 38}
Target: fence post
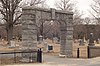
{"x": 88, "y": 52}
{"x": 39, "y": 55}
{"x": 78, "y": 54}
{"x": 15, "y": 57}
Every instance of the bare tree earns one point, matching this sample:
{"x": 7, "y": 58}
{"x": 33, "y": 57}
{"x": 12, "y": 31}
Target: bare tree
{"x": 51, "y": 29}
{"x": 68, "y": 6}
{"x": 10, "y": 13}
{"x": 37, "y": 2}
{"x": 77, "y": 17}
{"x": 64, "y": 5}
{"x": 96, "y": 10}
{"x": 87, "y": 23}
{"x": 77, "y": 21}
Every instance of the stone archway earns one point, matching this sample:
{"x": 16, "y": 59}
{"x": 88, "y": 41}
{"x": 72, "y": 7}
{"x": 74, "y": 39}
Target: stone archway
{"x": 32, "y": 15}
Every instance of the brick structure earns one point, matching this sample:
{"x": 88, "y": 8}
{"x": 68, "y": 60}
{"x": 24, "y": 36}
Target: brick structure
{"x": 32, "y": 15}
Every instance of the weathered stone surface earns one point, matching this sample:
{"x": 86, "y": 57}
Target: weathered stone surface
{"x": 70, "y": 32}
{"x": 70, "y": 28}
{"x": 29, "y": 32}
{"x": 32, "y": 15}
{"x": 69, "y": 37}
{"x": 61, "y": 17}
{"x": 25, "y": 27}
{"x": 46, "y": 16}
{"x": 29, "y": 45}
{"x": 29, "y": 37}
{"x": 57, "y": 16}
{"x": 29, "y": 22}
{"x": 53, "y": 14}
{"x": 27, "y": 11}
{"x": 28, "y": 27}
{"x": 28, "y": 17}
{"x": 94, "y": 51}
{"x": 69, "y": 23}
{"x": 63, "y": 35}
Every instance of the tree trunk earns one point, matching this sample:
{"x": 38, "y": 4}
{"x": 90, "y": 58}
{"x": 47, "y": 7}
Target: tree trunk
{"x": 9, "y": 33}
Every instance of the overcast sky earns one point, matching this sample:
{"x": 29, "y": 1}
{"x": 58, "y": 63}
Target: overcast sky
{"x": 82, "y": 5}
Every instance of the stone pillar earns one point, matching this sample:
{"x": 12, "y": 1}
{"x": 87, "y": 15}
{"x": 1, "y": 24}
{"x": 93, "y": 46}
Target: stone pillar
{"x": 63, "y": 32}
{"x": 67, "y": 37}
{"x": 29, "y": 31}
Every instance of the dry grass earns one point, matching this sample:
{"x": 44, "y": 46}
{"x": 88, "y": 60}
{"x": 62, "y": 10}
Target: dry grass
{"x": 4, "y": 61}
{"x": 4, "y": 48}
{"x": 11, "y": 60}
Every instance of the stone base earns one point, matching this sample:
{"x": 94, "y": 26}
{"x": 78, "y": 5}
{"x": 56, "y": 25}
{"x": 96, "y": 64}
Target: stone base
{"x": 82, "y": 51}
{"x": 62, "y": 56}
{"x": 81, "y": 44}
{"x": 91, "y": 44}
{"x": 86, "y": 51}
{"x": 94, "y": 51}
{"x": 67, "y": 53}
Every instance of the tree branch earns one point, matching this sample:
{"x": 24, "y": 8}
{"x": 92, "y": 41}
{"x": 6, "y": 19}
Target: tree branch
{"x": 16, "y": 19}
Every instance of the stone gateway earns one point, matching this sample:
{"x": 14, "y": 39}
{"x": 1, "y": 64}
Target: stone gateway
{"x": 32, "y": 15}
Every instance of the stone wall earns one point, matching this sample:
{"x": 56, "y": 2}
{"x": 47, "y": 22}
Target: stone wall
{"x": 86, "y": 52}
{"x": 66, "y": 36}
{"x": 94, "y": 51}
{"x": 83, "y": 51}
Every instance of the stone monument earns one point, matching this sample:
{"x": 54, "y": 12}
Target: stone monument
{"x": 81, "y": 42}
{"x": 91, "y": 40}
{"x": 40, "y": 39}
{"x": 32, "y": 15}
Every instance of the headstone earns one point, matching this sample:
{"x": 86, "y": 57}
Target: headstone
{"x": 81, "y": 42}
{"x": 91, "y": 40}
{"x": 12, "y": 44}
{"x": 40, "y": 39}
{"x": 55, "y": 40}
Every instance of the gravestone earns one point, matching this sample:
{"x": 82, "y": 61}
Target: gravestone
{"x": 55, "y": 40}
{"x": 12, "y": 43}
{"x": 40, "y": 39}
{"x": 91, "y": 40}
{"x": 81, "y": 42}
{"x": 32, "y": 15}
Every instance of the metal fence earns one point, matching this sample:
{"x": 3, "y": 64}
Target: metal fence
{"x": 21, "y": 57}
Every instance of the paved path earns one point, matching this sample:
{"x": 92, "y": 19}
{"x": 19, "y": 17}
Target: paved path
{"x": 56, "y": 61}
